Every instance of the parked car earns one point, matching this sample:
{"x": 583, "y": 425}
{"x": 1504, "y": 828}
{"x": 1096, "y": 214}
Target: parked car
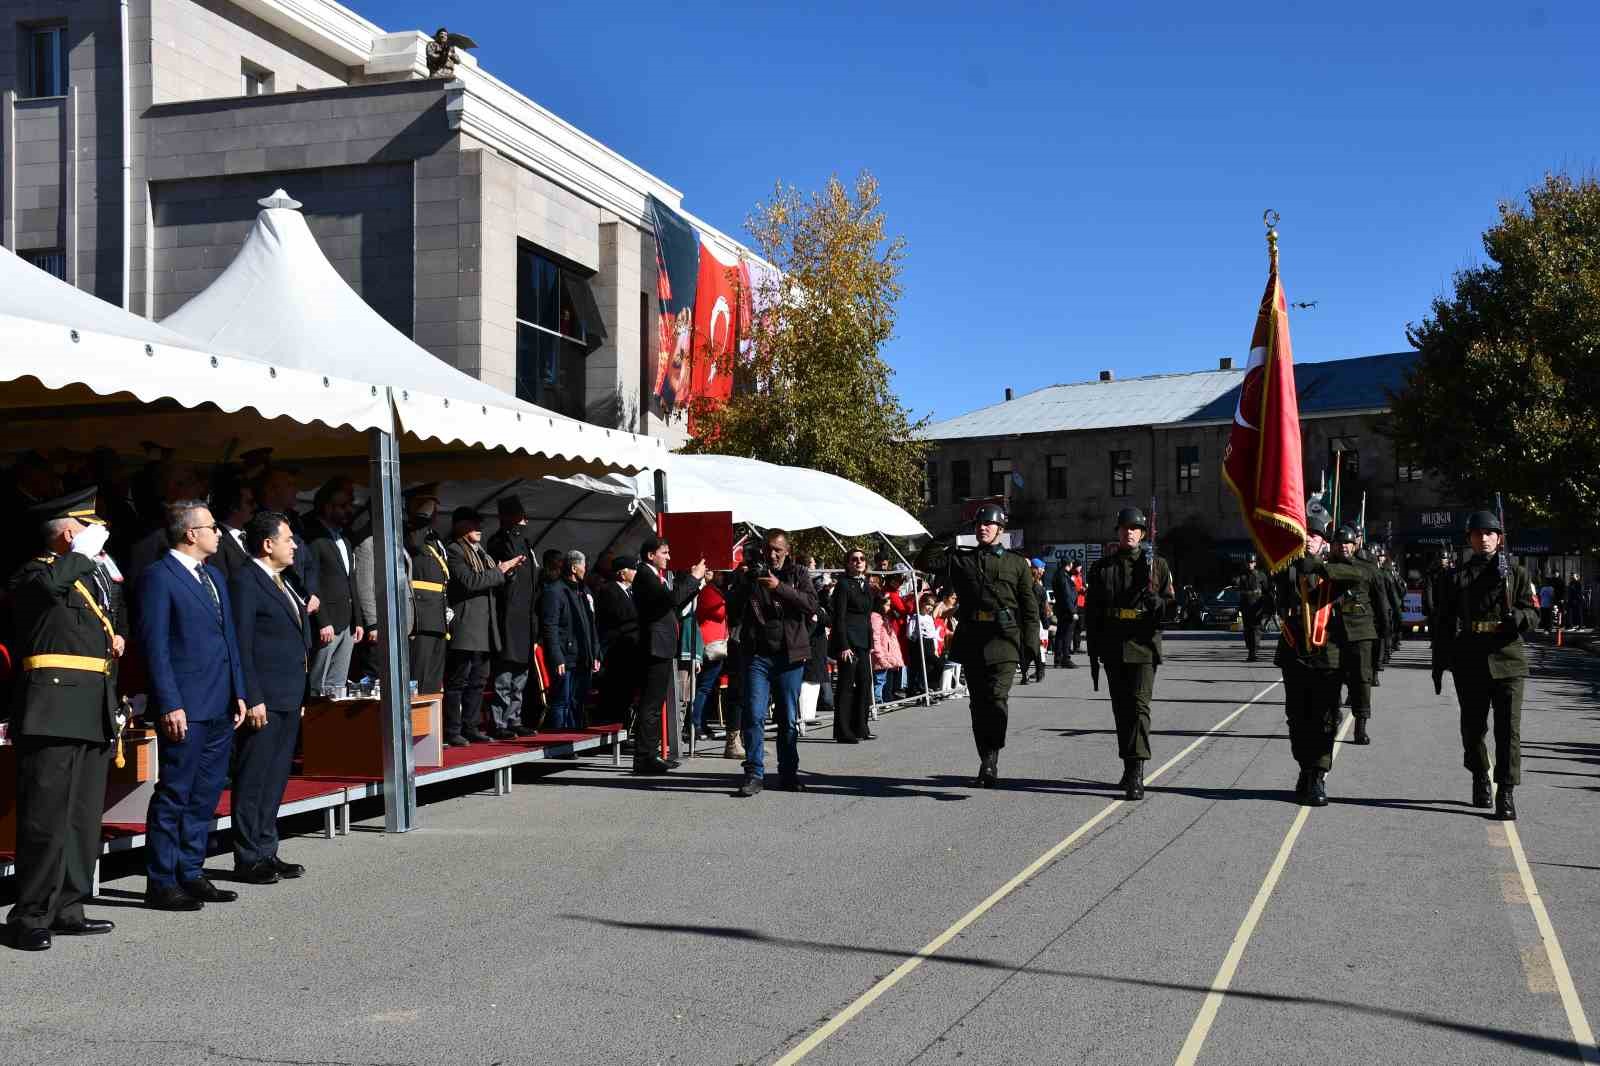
{"x": 1413, "y": 623}
{"x": 1222, "y": 610}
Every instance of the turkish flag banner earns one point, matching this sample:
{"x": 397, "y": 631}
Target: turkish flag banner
{"x": 1263, "y": 464}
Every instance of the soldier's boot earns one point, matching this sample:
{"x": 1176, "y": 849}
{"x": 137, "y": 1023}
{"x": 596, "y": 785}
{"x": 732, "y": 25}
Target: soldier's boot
{"x": 988, "y": 769}
{"x": 1505, "y": 805}
{"x": 1317, "y": 791}
{"x": 1482, "y": 793}
{"x": 1302, "y": 786}
{"x": 1376, "y": 683}
{"x": 1361, "y": 736}
{"x": 1133, "y": 779}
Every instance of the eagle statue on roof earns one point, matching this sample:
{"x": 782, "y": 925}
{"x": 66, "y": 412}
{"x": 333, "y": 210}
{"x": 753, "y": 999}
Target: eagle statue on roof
{"x": 442, "y": 54}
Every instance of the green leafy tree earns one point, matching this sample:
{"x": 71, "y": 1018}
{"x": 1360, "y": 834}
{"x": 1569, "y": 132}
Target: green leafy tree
{"x": 814, "y": 390}
{"x": 1505, "y": 394}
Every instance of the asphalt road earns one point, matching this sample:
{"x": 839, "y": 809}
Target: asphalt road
{"x": 591, "y": 917}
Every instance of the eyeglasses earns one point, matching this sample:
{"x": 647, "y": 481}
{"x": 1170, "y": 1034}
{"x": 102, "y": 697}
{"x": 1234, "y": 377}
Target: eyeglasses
{"x": 213, "y": 527}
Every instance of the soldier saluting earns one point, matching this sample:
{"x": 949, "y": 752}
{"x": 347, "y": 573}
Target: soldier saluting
{"x": 1481, "y": 610}
{"x": 1255, "y": 603}
{"x": 997, "y": 616}
{"x": 1127, "y": 592}
{"x": 63, "y": 721}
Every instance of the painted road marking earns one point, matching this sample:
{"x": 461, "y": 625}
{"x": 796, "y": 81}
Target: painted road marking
{"x": 1576, "y": 1019}
{"x": 1230, "y": 962}
{"x": 899, "y": 973}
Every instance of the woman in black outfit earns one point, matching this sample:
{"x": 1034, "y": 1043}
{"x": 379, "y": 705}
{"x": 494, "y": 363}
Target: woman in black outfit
{"x": 851, "y": 647}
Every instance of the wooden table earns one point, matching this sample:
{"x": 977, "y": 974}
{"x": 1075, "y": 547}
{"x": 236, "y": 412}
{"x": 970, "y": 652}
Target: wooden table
{"x": 127, "y": 790}
{"x": 344, "y": 738}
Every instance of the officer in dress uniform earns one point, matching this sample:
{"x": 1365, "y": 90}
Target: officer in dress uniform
{"x": 997, "y": 616}
{"x": 1127, "y": 594}
{"x": 1481, "y": 610}
{"x": 63, "y": 721}
{"x": 430, "y": 578}
{"x": 1255, "y": 604}
{"x": 1363, "y": 610}
{"x": 1312, "y": 645}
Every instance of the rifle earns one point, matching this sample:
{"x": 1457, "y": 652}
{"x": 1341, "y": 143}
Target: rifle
{"x": 1504, "y": 562}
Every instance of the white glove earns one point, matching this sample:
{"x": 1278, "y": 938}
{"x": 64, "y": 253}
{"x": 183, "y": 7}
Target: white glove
{"x": 449, "y": 616}
{"x": 90, "y": 540}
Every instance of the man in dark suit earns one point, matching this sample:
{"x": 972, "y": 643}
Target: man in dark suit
{"x": 338, "y": 630}
{"x": 518, "y": 613}
{"x": 64, "y": 720}
{"x": 277, "y": 491}
{"x": 474, "y": 632}
{"x": 571, "y": 643}
{"x": 617, "y": 620}
{"x": 197, "y": 689}
{"x": 233, "y": 504}
{"x": 275, "y": 639}
{"x": 659, "y": 606}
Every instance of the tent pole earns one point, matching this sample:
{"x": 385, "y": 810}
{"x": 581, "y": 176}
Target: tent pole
{"x": 394, "y": 667}
{"x": 916, "y": 593}
{"x": 671, "y": 746}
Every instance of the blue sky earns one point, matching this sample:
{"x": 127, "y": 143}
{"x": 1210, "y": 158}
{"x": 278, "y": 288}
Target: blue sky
{"x": 1081, "y": 186}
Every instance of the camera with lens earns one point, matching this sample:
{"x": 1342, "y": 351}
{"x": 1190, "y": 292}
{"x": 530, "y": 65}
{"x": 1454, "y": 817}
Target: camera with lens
{"x": 759, "y": 569}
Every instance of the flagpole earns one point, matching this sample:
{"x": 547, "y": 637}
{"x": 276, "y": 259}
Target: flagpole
{"x": 1271, "y": 217}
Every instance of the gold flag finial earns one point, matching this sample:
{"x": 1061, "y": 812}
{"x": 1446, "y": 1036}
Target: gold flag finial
{"x": 1270, "y": 217}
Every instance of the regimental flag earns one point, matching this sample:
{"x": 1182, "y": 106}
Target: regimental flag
{"x": 1263, "y": 464}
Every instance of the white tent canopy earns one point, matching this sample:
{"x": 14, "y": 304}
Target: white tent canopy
{"x": 76, "y": 368}
{"x": 281, "y": 301}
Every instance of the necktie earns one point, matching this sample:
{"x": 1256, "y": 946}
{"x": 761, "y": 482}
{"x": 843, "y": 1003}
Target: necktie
{"x": 283, "y": 587}
{"x": 205, "y": 579}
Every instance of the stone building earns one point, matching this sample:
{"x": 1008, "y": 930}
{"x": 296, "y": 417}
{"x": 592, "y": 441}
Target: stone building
{"x": 1068, "y": 457}
{"x": 137, "y": 136}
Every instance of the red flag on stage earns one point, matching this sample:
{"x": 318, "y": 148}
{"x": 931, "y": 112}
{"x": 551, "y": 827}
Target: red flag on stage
{"x": 1262, "y": 464}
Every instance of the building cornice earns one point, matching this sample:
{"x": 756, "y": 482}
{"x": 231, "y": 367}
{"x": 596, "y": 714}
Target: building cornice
{"x": 1140, "y": 427}
{"x": 331, "y": 28}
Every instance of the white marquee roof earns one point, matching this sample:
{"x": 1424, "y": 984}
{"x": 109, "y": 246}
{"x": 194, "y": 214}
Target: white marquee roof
{"x": 281, "y": 301}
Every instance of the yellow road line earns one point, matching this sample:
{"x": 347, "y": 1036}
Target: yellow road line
{"x": 895, "y": 976}
{"x": 1230, "y": 962}
{"x": 1576, "y": 1019}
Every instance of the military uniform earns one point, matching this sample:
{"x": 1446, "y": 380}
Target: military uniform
{"x": 1363, "y": 614}
{"x": 997, "y": 616}
{"x": 1123, "y": 618}
{"x": 63, "y": 722}
{"x": 430, "y": 580}
{"x": 1255, "y": 603}
{"x": 1480, "y": 616}
{"x": 1312, "y": 643}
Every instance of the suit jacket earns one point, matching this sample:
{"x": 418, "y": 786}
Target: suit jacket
{"x": 53, "y": 601}
{"x": 852, "y": 617}
{"x": 367, "y": 587}
{"x": 335, "y": 582}
{"x": 658, "y": 608}
{"x": 617, "y": 619}
{"x": 566, "y": 625}
{"x": 275, "y": 639}
{"x": 517, "y": 604}
{"x": 230, "y": 558}
{"x": 191, "y": 647}
{"x": 474, "y": 582}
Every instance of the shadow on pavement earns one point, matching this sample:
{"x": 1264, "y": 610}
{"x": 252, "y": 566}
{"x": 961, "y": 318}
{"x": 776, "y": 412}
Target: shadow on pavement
{"x": 1554, "y": 1046}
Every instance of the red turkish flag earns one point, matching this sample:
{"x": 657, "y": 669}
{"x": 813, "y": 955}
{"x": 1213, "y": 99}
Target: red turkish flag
{"x": 1262, "y": 464}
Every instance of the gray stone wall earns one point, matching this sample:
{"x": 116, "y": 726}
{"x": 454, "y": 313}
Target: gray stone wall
{"x": 612, "y": 373}
{"x": 198, "y": 47}
{"x": 39, "y": 174}
{"x": 361, "y": 217}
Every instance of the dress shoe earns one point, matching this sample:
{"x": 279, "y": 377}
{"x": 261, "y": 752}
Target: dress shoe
{"x": 287, "y": 869}
{"x": 207, "y": 892}
{"x": 32, "y": 940}
{"x": 523, "y": 731}
{"x": 1361, "y": 736}
{"x": 1482, "y": 793}
{"x": 1023, "y": 680}
{"x": 83, "y": 927}
{"x": 1317, "y": 791}
{"x": 455, "y": 741}
{"x": 750, "y": 787}
{"x": 476, "y": 738}
{"x": 869, "y": 735}
{"x": 259, "y": 873}
{"x": 1505, "y": 804}
{"x": 170, "y": 898}
{"x": 792, "y": 784}
{"x": 651, "y": 768}
{"x": 1376, "y": 683}
{"x": 1039, "y": 677}
{"x": 504, "y": 734}
{"x": 1133, "y": 779}
{"x": 1070, "y": 665}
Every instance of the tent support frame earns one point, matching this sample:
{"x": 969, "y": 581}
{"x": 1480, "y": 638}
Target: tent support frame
{"x": 394, "y": 665}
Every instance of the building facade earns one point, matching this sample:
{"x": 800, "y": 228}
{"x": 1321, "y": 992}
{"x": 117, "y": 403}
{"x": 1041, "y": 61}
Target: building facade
{"x": 137, "y": 135}
{"x": 1067, "y": 458}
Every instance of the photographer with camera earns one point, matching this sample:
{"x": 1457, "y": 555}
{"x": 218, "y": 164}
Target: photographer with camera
{"x": 772, "y": 606}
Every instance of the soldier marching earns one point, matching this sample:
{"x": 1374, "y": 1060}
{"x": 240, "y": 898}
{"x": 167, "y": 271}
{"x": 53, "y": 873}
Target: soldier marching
{"x": 1255, "y": 605}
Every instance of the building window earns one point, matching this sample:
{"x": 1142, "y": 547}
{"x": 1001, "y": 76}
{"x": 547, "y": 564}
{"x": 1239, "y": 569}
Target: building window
{"x": 960, "y": 479}
{"x": 1407, "y": 470}
{"x": 1189, "y": 468}
{"x": 999, "y": 474}
{"x": 1055, "y": 481}
{"x": 255, "y": 80}
{"x": 557, "y": 326}
{"x": 1121, "y": 473}
{"x": 47, "y": 60}
{"x": 53, "y": 262}
{"x": 930, "y": 484}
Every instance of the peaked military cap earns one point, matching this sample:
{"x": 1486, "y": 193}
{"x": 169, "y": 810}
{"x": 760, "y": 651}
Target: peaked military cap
{"x": 79, "y": 504}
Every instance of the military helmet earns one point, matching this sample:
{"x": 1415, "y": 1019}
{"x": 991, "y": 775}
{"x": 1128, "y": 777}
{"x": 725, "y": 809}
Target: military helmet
{"x": 1133, "y": 518}
{"x": 1250, "y": 557}
{"x": 991, "y": 512}
{"x": 1344, "y": 535}
{"x": 1317, "y": 522}
{"x": 1484, "y": 520}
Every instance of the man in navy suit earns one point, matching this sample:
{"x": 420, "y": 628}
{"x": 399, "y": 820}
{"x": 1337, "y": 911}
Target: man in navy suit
{"x": 197, "y": 689}
{"x": 275, "y": 639}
